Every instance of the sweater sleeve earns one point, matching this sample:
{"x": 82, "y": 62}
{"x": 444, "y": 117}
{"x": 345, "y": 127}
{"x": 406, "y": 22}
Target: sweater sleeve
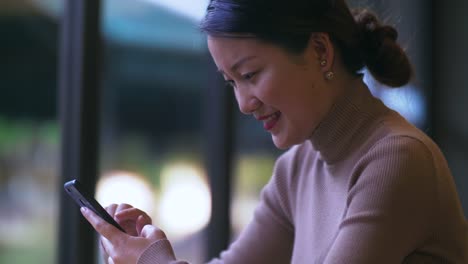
{"x": 160, "y": 252}
{"x": 268, "y": 238}
{"x": 389, "y": 204}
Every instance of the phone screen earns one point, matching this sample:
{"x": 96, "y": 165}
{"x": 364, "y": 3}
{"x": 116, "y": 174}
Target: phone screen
{"x": 83, "y": 198}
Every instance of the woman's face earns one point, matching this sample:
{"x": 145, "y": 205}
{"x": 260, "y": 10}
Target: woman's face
{"x": 286, "y": 92}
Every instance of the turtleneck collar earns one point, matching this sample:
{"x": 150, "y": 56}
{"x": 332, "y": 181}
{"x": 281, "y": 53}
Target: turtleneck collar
{"x": 349, "y": 118}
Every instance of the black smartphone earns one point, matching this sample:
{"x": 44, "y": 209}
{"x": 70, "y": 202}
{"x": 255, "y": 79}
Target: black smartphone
{"x": 83, "y": 198}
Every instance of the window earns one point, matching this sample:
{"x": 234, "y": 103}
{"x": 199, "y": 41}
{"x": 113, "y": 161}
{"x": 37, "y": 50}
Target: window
{"x": 29, "y": 134}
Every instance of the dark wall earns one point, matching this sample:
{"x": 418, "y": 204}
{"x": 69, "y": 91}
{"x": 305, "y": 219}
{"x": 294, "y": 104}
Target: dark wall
{"x": 28, "y": 66}
{"x": 450, "y": 94}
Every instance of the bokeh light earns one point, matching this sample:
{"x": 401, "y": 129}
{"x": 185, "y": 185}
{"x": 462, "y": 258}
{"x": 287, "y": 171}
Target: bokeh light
{"x": 185, "y": 202}
{"x": 126, "y": 187}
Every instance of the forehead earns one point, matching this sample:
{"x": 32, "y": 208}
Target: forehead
{"x": 228, "y": 49}
{"x": 238, "y": 41}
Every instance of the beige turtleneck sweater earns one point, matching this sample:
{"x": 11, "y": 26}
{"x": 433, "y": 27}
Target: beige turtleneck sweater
{"x": 368, "y": 187}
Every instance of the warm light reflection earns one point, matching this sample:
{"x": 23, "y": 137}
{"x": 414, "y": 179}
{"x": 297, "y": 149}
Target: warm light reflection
{"x": 125, "y": 187}
{"x": 185, "y": 203}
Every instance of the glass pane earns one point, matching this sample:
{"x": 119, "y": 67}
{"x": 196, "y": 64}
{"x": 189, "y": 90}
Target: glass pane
{"x": 254, "y": 159}
{"x": 155, "y": 69}
{"x": 29, "y": 135}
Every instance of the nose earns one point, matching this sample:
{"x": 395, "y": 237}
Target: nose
{"x": 247, "y": 103}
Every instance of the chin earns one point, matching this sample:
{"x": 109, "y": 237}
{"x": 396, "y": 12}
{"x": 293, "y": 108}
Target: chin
{"x": 284, "y": 143}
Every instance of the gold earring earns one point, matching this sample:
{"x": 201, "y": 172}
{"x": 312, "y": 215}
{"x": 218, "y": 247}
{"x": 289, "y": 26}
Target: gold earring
{"x": 323, "y": 63}
{"x": 329, "y": 75}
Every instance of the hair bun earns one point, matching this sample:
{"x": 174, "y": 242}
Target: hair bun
{"x": 384, "y": 58}
{"x": 373, "y": 33}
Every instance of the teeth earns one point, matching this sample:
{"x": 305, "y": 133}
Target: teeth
{"x": 270, "y": 118}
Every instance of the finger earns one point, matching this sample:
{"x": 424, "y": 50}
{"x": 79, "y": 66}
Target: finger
{"x": 152, "y": 232}
{"x": 122, "y": 207}
{"x": 111, "y": 209}
{"x": 112, "y": 249}
{"x": 140, "y": 223}
{"x": 137, "y": 217}
{"x": 108, "y": 247}
{"x": 132, "y": 214}
{"x": 103, "y": 249}
{"x": 102, "y": 227}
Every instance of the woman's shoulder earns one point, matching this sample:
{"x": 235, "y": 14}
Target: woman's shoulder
{"x": 396, "y": 140}
{"x": 395, "y": 132}
{"x": 400, "y": 151}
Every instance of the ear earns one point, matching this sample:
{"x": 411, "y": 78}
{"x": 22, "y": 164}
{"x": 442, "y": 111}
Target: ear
{"x": 320, "y": 48}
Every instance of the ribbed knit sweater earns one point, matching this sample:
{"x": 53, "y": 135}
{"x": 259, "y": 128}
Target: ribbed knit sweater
{"x": 368, "y": 187}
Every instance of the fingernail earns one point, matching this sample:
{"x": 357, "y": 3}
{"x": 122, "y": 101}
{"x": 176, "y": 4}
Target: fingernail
{"x": 84, "y": 210}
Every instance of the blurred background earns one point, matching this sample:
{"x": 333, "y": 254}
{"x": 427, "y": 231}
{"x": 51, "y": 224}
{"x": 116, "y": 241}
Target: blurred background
{"x": 154, "y": 108}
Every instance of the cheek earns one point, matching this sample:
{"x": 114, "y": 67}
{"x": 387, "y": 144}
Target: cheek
{"x": 273, "y": 89}
{"x": 290, "y": 89}
{"x": 301, "y": 106}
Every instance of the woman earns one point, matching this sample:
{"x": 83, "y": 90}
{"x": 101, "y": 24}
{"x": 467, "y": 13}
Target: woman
{"x": 358, "y": 184}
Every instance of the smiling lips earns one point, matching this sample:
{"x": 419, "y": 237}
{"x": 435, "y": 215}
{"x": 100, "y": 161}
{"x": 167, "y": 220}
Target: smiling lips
{"x": 270, "y": 121}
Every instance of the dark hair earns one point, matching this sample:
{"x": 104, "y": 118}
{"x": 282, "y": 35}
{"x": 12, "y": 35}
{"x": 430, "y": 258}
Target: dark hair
{"x": 358, "y": 35}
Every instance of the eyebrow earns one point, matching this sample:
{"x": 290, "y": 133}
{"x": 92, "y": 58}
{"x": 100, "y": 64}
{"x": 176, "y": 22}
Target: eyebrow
{"x": 239, "y": 63}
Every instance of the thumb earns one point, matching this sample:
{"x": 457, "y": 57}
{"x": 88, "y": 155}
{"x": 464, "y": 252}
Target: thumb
{"x": 140, "y": 223}
{"x": 153, "y": 233}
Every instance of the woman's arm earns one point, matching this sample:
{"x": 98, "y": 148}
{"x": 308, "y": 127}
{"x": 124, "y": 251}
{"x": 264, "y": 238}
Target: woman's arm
{"x": 390, "y": 206}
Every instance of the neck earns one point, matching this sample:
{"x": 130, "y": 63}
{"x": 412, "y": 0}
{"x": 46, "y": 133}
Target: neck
{"x": 342, "y": 83}
{"x": 342, "y": 127}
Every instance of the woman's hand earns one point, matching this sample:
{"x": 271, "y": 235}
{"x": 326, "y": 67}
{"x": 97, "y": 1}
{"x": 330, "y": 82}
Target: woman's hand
{"x": 122, "y": 247}
{"x": 131, "y": 219}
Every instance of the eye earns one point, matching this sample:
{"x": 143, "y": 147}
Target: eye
{"x": 248, "y": 76}
{"x": 230, "y": 83}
